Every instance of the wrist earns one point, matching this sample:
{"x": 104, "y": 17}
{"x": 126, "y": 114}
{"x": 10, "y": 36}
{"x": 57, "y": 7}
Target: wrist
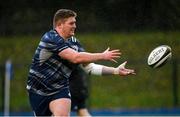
{"x": 116, "y": 71}
{"x": 102, "y": 56}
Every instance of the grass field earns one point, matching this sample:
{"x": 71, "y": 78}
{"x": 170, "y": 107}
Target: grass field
{"x": 150, "y": 88}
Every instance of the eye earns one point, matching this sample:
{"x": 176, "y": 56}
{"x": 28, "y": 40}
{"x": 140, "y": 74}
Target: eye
{"x": 72, "y": 23}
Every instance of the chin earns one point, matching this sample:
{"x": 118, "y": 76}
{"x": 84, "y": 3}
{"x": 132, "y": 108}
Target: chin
{"x": 72, "y": 34}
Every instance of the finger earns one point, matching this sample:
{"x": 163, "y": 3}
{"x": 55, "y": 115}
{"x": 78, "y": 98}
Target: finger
{"x": 125, "y": 73}
{"x": 128, "y": 73}
{"x": 131, "y": 72}
{"x": 116, "y": 53}
{"x": 115, "y": 56}
{"x": 117, "y": 50}
{"x": 114, "y": 60}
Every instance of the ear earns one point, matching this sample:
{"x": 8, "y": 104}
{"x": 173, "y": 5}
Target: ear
{"x": 60, "y": 23}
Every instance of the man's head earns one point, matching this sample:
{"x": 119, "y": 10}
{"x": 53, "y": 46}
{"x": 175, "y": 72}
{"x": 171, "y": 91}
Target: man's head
{"x": 64, "y": 22}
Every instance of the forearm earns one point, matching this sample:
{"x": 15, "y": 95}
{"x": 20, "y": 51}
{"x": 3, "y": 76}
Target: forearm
{"x": 85, "y": 57}
{"x": 97, "y": 69}
{"x": 109, "y": 70}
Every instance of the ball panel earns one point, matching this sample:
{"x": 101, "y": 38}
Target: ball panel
{"x": 162, "y": 61}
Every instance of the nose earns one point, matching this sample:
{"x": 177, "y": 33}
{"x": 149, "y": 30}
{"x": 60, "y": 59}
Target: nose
{"x": 74, "y": 25}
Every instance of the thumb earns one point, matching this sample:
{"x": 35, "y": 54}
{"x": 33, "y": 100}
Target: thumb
{"x": 122, "y": 65}
{"x": 108, "y": 49}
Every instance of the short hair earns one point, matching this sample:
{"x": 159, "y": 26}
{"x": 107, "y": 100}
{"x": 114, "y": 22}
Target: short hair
{"x": 61, "y": 15}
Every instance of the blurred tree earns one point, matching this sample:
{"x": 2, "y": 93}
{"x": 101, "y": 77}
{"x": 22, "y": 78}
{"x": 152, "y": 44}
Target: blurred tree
{"x": 35, "y": 16}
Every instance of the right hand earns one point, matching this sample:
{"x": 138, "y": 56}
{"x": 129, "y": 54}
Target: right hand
{"x": 122, "y": 71}
{"x": 111, "y": 55}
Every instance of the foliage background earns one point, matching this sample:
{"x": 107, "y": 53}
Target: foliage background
{"x": 35, "y": 16}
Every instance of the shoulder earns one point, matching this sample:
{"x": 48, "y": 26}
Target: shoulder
{"x": 52, "y": 37}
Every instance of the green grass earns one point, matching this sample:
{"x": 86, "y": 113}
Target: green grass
{"x": 149, "y": 88}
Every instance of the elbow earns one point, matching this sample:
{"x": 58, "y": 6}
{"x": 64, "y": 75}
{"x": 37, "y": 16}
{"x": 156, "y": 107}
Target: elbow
{"x": 76, "y": 59}
{"x": 79, "y": 58}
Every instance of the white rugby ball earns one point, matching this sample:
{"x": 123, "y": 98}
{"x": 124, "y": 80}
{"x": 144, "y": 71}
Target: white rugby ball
{"x": 159, "y": 56}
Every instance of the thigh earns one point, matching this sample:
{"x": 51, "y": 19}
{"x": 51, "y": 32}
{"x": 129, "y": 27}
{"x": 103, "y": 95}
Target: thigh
{"x": 61, "y": 103}
{"x": 60, "y": 107}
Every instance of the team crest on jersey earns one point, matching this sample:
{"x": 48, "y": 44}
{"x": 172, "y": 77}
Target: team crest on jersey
{"x": 75, "y": 47}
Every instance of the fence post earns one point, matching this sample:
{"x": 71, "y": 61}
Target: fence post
{"x": 175, "y": 82}
{"x": 8, "y": 75}
{"x": 2, "y": 86}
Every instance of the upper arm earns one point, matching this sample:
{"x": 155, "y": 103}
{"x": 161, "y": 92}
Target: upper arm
{"x": 68, "y": 54}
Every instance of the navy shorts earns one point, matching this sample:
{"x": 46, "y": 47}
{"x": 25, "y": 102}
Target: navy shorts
{"x": 40, "y": 104}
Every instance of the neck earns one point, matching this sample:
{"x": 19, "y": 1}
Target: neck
{"x": 61, "y": 34}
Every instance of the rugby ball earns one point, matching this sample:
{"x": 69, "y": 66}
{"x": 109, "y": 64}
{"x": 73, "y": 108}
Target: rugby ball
{"x": 159, "y": 56}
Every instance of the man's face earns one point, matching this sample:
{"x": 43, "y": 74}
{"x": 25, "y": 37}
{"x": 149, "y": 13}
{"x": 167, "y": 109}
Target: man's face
{"x": 68, "y": 27}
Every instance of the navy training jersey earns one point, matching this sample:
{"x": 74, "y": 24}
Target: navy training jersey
{"x": 49, "y": 73}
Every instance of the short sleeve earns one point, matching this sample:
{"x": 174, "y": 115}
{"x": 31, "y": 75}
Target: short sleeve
{"x": 53, "y": 42}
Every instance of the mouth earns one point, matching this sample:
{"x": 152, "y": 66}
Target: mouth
{"x": 73, "y": 30}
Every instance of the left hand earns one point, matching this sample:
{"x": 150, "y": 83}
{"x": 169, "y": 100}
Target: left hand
{"x": 121, "y": 70}
{"x": 111, "y": 55}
